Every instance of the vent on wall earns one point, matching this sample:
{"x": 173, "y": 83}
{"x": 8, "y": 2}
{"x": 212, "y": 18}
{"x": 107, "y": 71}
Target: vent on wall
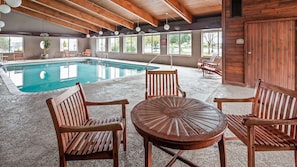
{"x": 236, "y": 8}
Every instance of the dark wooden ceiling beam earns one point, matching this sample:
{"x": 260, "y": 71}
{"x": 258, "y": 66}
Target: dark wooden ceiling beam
{"x": 103, "y": 12}
{"x": 137, "y": 11}
{"x": 51, "y": 19}
{"x": 76, "y": 13}
{"x": 180, "y": 10}
{"x": 58, "y": 15}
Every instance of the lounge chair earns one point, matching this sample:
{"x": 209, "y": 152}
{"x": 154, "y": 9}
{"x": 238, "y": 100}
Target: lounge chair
{"x": 203, "y": 60}
{"x": 212, "y": 68}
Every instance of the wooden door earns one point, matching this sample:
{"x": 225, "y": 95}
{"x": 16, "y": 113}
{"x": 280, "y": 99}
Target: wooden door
{"x": 270, "y": 52}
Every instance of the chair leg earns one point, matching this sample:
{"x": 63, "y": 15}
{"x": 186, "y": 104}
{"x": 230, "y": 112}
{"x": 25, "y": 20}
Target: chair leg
{"x": 115, "y": 158}
{"x": 63, "y": 162}
{"x": 251, "y": 156}
{"x": 125, "y": 139}
{"x": 295, "y": 152}
{"x": 115, "y": 150}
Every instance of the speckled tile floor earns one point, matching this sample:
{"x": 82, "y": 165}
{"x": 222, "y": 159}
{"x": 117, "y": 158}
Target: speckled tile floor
{"x": 28, "y": 137}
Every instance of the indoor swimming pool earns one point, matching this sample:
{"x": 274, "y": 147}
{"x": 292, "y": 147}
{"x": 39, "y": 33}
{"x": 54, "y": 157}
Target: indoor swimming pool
{"x": 48, "y": 76}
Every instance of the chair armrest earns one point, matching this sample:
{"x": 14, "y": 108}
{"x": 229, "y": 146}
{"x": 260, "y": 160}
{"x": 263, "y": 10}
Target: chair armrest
{"x": 221, "y": 100}
{"x": 203, "y": 59}
{"x": 115, "y": 102}
{"x": 181, "y": 91}
{"x": 249, "y": 121}
{"x": 91, "y": 128}
{"x": 211, "y": 64}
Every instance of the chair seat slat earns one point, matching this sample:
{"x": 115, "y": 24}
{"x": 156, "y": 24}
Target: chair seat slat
{"x": 90, "y": 142}
{"x": 265, "y": 136}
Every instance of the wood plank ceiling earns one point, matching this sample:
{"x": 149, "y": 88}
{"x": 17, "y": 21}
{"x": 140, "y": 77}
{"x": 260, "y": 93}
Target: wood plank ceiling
{"x": 92, "y": 16}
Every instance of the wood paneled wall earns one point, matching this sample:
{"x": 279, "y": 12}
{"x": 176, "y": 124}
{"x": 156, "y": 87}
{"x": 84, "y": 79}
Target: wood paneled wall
{"x": 233, "y": 28}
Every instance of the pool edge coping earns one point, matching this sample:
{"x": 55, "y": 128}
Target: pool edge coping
{"x": 12, "y": 88}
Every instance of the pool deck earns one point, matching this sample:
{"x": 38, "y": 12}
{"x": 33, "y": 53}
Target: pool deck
{"x": 28, "y": 137}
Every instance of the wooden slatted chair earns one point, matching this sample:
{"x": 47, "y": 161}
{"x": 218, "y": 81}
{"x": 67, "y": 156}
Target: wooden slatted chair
{"x": 80, "y": 137}
{"x": 272, "y": 124}
{"x": 162, "y": 83}
{"x": 19, "y": 55}
{"x": 87, "y": 53}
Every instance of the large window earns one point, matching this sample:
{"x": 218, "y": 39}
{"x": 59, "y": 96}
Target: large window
{"x": 69, "y": 44}
{"x": 10, "y": 44}
{"x": 151, "y": 44}
{"x": 211, "y": 43}
{"x": 101, "y": 44}
{"x": 180, "y": 43}
{"x": 130, "y": 44}
{"x": 114, "y": 44}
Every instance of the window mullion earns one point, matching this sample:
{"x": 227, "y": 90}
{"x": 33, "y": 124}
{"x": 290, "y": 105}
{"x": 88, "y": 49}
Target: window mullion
{"x": 179, "y": 47}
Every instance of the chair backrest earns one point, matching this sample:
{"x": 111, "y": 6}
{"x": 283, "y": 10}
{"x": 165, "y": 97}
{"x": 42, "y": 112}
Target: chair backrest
{"x": 68, "y": 109}
{"x": 161, "y": 83}
{"x": 218, "y": 60}
{"x": 275, "y": 103}
{"x": 213, "y": 57}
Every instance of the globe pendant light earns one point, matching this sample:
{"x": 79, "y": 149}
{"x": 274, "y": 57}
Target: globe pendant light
{"x": 116, "y": 32}
{"x": 137, "y": 29}
{"x": 5, "y": 8}
{"x": 166, "y": 26}
{"x": 14, "y": 3}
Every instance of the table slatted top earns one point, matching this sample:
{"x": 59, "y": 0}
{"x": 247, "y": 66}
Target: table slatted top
{"x": 178, "y": 120}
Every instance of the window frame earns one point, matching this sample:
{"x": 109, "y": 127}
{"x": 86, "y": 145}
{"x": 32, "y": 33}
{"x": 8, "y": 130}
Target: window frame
{"x": 152, "y": 35}
{"x": 179, "y": 33}
{"x": 219, "y": 42}
{"x": 63, "y": 48}
{"x": 110, "y": 46}
{"x": 97, "y": 44}
{"x": 131, "y": 43}
{"x": 10, "y": 48}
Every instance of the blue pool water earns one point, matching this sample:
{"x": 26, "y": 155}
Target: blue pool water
{"x": 55, "y": 75}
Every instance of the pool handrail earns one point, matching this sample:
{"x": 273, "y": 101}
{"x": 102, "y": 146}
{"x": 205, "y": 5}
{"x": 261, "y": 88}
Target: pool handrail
{"x": 156, "y": 57}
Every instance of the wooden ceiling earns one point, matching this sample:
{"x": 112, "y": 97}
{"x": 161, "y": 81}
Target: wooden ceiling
{"x": 91, "y": 16}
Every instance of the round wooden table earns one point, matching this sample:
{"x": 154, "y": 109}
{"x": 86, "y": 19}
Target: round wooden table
{"x": 179, "y": 123}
